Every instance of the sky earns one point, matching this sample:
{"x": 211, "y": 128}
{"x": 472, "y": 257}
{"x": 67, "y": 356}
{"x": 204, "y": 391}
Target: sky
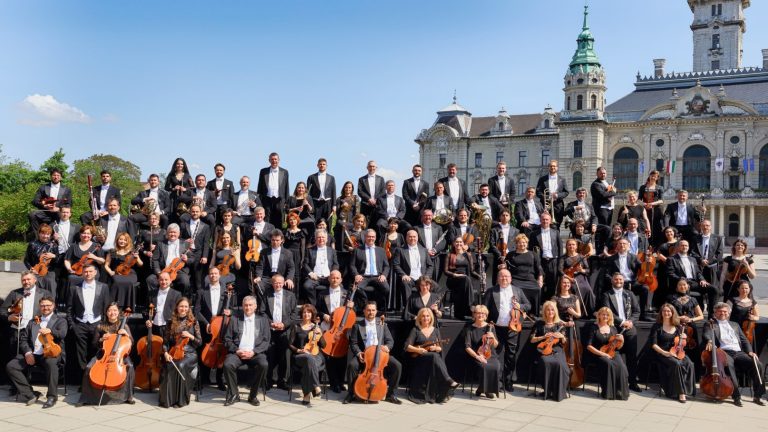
{"x": 232, "y": 81}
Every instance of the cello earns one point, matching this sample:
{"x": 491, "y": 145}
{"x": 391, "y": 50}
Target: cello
{"x": 573, "y": 358}
{"x": 214, "y": 352}
{"x": 109, "y": 372}
{"x": 715, "y": 383}
{"x": 336, "y": 341}
{"x": 150, "y": 348}
{"x": 371, "y": 385}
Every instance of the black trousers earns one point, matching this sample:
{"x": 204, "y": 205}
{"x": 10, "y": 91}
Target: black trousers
{"x": 709, "y": 292}
{"x": 39, "y": 217}
{"x": 310, "y": 288}
{"x": 630, "y": 353}
{"x": 391, "y": 373}
{"x": 257, "y": 363}
{"x": 549, "y": 265}
{"x": 84, "y": 333}
{"x": 507, "y": 350}
{"x": 643, "y": 293}
{"x": 739, "y": 361}
{"x": 273, "y": 210}
{"x": 181, "y": 284}
{"x": 17, "y": 369}
{"x": 322, "y": 209}
{"x": 278, "y": 354}
{"x": 604, "y": 216}
{"x": 378, "y": 291}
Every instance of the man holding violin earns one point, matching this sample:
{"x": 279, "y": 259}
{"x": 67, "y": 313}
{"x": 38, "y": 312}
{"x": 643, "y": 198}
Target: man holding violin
{"x": 31, "y": 346}
{"x": 626, "y": 310}
{"x": 48, "y": 199}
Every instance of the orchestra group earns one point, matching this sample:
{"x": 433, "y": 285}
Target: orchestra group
{"x": 227, "y": 277}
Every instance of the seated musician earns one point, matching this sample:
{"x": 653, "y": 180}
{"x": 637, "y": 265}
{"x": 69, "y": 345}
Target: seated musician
{"x": 122, "y": 287}
{"x": 423, "y": 297}
{"x": 728, "y": 336}
{"x": 629, "y": 266}
{"x": 210, "y": 302}
{"x": 163, "y": 257}
{"x": 280, "y": 307}
{"x": 310, "y": 364}
{"x": 500, "y": 300}
{"x": 683, "y": 266}
{"x": 327, "y": 303}
{"x": 319, "y": 261}
{"x": 197, "y": 234}
{"x": 260, "y": 227}
{"x": 581, "y": 209}
{"x": 77, "y": 254}
{"x": 389, "y": 206}
{"x": 502, "y": 239}
{"x": 113, "y": 224}
{"x": 225, "y": 247}
{"x": 350, "y": 235}
{"x": 527, "y": 212}
{"x": 462, "y": 278}
{"x": 678, "y": 377}
{"x": 109, "y": 325}
{"x": 370, "y": 268}
{"x": 411, "y": 262}
{"x": 613, "y": 371}
{"x": 554, "y": 372}
{"x": 102, "y": 194}
{"x": 245, "y": 203}
{"x": 439, "y": 204}
{"x": 686, "y": 307}
{"x": 177, "y": 380}
{"x": 586, "y": 241}
{"x": 275, "y": 260}
{"x": 638, "y": 242}
{"x": 49, "y": 198}
{"x": 31, "y": 354}
{"x": 480, "y": 333}
{"x": 44, "y": 248}
{"x": 486, "y": 202}
{"x": 164, "y": 298}
{"x": 626, "y": 310}
{"x": 612, "y": 242}
{"x": 428, "y": 378}
{"x": 155, "y": 197}
{"x": 363, "y": 335}
{"x": 576, "y": 267}
{"x": 744, "y": 308}
{"x": 464, "y": 229}
{"x": 247, "y": 341}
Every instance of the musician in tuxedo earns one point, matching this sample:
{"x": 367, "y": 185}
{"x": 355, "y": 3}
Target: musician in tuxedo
{"x": 247, "y": 341}
{"x": 439, "y": 201}
{"x": 546, "y": 242}
{"x": 415, "y": 192}
{"x": 370, "y": 267}
{"x": 328, "y": 301}
{"x": 432, "y": 238}
{"x": 455, "y": 187}
{"x": 223, "y": 190}
{"x": 211, "y": 301}
{"x": 369, "y": 188}
{"x": 484, "y": 199}
{"x": 527, "y": 212}
{"x": 245, "y": 203}
{"x": 369, "y": 332}
{"x": 49, "y": 198}
{"x": 558, "y": 191}
{"x": 87, "y": 301}
{"x": 113, "y": 224}
{"x": 501, "y": 185}
{"x": 411, "y": 262}
{"x": 102, "y": 195}
{"x": 638, "y": 242}
{"x": 628, "y": 266}
{"x": 197, "y": 234}
{"x": 163, "y": 256}
{"x": 683, "y": 216}
{"x": 460, "y": 227}
{"x": 321, "y": 186}
{"x": 685, "y": 266}
{"x": 155, "y": 194}
{"x": 202, "y": 196}
{"x": 623, "y": 304}
{"x": 501, "y": 299}
{"x": 164, "y": 299}
{"x": 389, "y": 205}
{"x": 281, "y": 310}
{"x": 319, "y": 261}
{"x": 259, "y": 226}
{"x": 602, "y": 197}
{"x": 31, "y": 353}
{"x": 708, "y": 250}
{"x": 275, "y": 260}
{"x": 273, "y": 189}
{"x": 502, "y": 239}
{"x": 581, "y": 209}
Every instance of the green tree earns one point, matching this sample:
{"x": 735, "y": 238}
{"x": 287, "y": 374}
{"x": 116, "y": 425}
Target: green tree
{"x": 14, "y": 174}
{"x": 126, "y": 176}
{"x": 55, "y": 161}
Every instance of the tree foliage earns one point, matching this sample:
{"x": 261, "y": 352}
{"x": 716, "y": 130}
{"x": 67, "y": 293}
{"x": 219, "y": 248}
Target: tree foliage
{"x": 126, "y": 176}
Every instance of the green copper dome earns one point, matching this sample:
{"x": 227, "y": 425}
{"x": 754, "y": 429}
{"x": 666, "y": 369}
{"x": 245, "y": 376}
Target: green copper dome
{"x": 585, "y": 59}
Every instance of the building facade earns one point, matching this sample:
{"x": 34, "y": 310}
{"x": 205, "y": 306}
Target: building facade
{"x": 706, "y": 131}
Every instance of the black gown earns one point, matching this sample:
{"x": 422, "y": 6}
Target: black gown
{"x": 309, "y": 365}
{"x": 175, "y": 391}
{"x": 427, "y": 374}
{"x": 730, "y": 289}
{"x": 553, "y": 371}
{"x": 415, "y": 303}
{"x": 170, "y": 182}
{"x": 526, "y": 268}
{"x": 32, "y": 258}
{"x": 676, "y": 376}
{"x": 740, "y": 313}
{"x": 91, "y": 395}
{"x": 306, "y": 217}
{"x": 614, "y": 377}
{"x": 461, "y": 287}
{"x": 74, "y": 254}
{"x": 296, "y": 243}
{"x": 122, "y": 287}
{"x": 655, "y": 215}
{"x": 684, "y": 306}
{"x": 636, "y": 211}
{"x": 217, "y": 259}
{"x": 490, "y": 372}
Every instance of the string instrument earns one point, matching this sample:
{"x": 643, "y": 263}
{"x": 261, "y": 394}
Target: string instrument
{"x": 109, "y": 372}
{"x": 16, "y": 307}
{"x": 546, "y": 347}
{"x": 388, "y": 248}
{"x": 715, "y": 383}
{"x": 468, "y": 238}
{"x": 50, "y": 348}
{"x": 584, "y": 248}
{"x": 571, "y": 271}
{"x": 342, "y": 320}
{"x": 77, "y": 268}
{"x": 41, "y": 268}
{"x": 149, "y": 348}
{"x": 175, "y": 266}
{"x": 371, "y": 385}
{"x": 429, "y": 344}
{"x": 254, "y": 249}
{"x": 313, "y": 340}
{"x": 214, "y": 352}
{"x": 124, "y": 268}
{"x": 614, "y": 344}
{"x": 225, "y": 265}
{"x": 351, "y": 240}
{"x": 486, "y": 348}
{"x": 501, "y": 245}
{"x": 48, "y": 201}
{"x": 740, "y": 270}
{"x": 516, "y": 317}
{"x": 573, "y": 358}
{"x": 647, "y": 274}
{"x": 679, "y": 344}
{"x": 748, "y": 326}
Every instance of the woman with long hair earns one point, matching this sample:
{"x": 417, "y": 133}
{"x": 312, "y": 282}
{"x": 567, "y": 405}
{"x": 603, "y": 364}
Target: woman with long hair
{"x": 179, "y": 375}
{"x": 122, "y": 289}
{"x": 429, "y": 379}
{"x": 677, "y": 375}
{"x": 309, "y": 363}
{"x": 614, "y": 377}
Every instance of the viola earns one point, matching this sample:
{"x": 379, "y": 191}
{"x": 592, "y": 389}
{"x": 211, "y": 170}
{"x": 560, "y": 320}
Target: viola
{"x": 715, "y": 383}
{"x": 740, "y": 270}
{"x": 313, "y": 338}
{"x": 254, "y": 249}
{"x": 429, "y": 344}
{"x": 124, "y": 268}
{"x": 573, "y": 359}
{"x": 109, "y": 372}
{"x": 41, "y": 268}
{"x": 486, "y": 348}
{"x": 77, "y": 268}
{"x": 614, "y": 344}
{"x": 225, "y": 264}
{"x": 546, "y": 347}
{"x": 214, "y": 352}
{"x": 679, "y": 344}
{"x": 342, "y": 320}
{"x": 50, "y": 348}
{"x": 177, "y": 350}
{"x": 647, "y": 274}
{"x": 175, "y": 266}
{"x": 370, "y": 385}
{"x": 150, "y": 349}
{"x": 388, "y": 249}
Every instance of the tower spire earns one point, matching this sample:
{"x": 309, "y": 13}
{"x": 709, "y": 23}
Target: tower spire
{"x": 585, "y": 58}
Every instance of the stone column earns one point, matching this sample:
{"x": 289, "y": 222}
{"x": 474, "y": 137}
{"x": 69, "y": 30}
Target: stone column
{"x": 721, "y": 221}
{"x": 741, "y": 221}
{"x": 713, "y": 218}
{"x": 751, "y": 231}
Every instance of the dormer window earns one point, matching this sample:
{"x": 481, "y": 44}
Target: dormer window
{"x": 501, "y": 126}
{"x": 547, "y": 124}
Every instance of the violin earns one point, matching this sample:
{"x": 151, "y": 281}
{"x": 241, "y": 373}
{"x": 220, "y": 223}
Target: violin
{"x": 175, "y": 266}
{"x": 715, "y": 383}
{"x": 177, "y": 350}
{"x": 429, "y": 344}
{"x": 342, "y": 320}
{"x": 516, "y": 317}
{"x": 48, "y": 201}
{"x": 77, "y": 268}
{"x": 614, "y": 344}
{"x": 679, "y": 345}
{"x": 225, "y": 264}
{"x": 254, "y": 249}
{"x": 546, "y": 347}
{"x": 573, "y": 358}
{"x": 109, "y": 372}
{"x": 313, "y": 338}
{"x": 573, "y": 269}
{"x": 41, "y": 268}
{"x": 748, "y": 326}
{"x": 214, "y": 352}
{"x": 388, "y": 248}
{"x": 740, "y": 270}
{"x": 486, "y": 348}
{"x": 50, "y": 348}
{"x": 17, "y": 307}
{"x": 124, "y": 268}
{"x": 149, "y": 348}
{"x": 371, "y": 385}
{"x": 647, "y": 274}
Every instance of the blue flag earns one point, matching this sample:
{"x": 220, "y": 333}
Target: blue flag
{"x": 745, "y": 164}
{"x": 752, "y": 164}
{"x": 642, "y": 167}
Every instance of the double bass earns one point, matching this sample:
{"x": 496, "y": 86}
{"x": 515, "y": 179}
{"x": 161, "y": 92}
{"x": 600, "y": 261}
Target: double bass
{"x": 573, "y": 358}
{"x": 370, "y": 385}
{"x": 150, "y": 349}
{"x": 214, "y": 352}
{"x": 342, "y": 320}
{"x": 110, "y": 372}
{"x": 715, "y": 383}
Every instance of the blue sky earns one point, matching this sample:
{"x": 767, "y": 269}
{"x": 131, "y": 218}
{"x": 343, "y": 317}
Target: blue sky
{"x": 347, "y": 80}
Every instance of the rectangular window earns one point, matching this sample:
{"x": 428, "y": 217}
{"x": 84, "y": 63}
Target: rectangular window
{"x": 719, "y": 9}
{"x": 522, "y": 158}
{"x": 734, "y": 164}
{"x": 715, "y": 41}
{"x": 733, "y": 183}
{"x": 499, "y": 156}
{"x": 478, "y": 160}
{"x": 545, "y": 157}
{"x": 577, "y": 150}
{"x": 522, "y": 184}
{"x": 442, "y": 157}
{"x": 715, "y": 64}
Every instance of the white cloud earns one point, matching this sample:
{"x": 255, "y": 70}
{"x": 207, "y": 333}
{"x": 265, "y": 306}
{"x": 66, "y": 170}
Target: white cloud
{"x": 44, "y": 110}
{"x": 390, "y": 174}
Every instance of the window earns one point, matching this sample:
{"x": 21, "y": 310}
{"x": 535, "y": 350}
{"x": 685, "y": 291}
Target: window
{"x": 625, "y": 168}
{"x": 545, "y": 157}
{"x": 522, "y": 158}
{"x": 499, "y": 156}
{"x": 568, "y": 105}
{"x": 696, "y": 168}
{"x": 579, "y": 102}
{"x": 577, "y": 148}
{"x": 763, "y": 168}
{"x": 714, "y": 10}
{"x": 478, "y": 160}
{"x": 522, "y": 185}
{"x": 546, "y": 124}
{"x": 735, "y": 139}
{"x": 577, "y": 180}
{"x": 715, "y": 41}
{"x": 442, "y": 157}
{"x": 715, "y": 64}
{"x": 734, "y": 163}
{"x": 593, "y": 102}
{"x": 660, "y": 169}
{"x": 659, "y": 143}
{"x": 733, "y": 182}
{"x": 733, "y": 225}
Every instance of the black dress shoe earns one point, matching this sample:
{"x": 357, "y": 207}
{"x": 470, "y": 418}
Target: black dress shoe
{"x": 737, "y": 402}
{"x": 50, "y": 402}
{"x": 254, "y": 400}
{"x": 130, "y": 402}
{"x": 393, "y": 399}
{"x": 35, "y": 396}
{"x": 758, "y": 401}
{"x": 231, "y": 400}
{"x": 221, "y": 387}
{"x": 636, "y": 388}
{"x": 348, "y": 399}
{"x": 282, "y": 385}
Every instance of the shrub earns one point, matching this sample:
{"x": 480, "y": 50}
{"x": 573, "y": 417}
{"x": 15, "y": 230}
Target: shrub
{"x": 12, "y": 251}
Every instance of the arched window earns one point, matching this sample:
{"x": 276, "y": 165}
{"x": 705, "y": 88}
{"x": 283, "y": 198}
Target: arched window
{"x": 577, "y": 179}
{"x": 501, "y": 125}
{"x": 522, "y": 185}
{"x": 733, "y": 225}
{"x": 625, "y": 164}
{"x": 763, "y": 174}
{"x": 696, "y": 168}
{"x": 593, "y": 103}
{"x": 579, "y": 102}
{"x": 546, "y": 124}
{"x": 568, "y": 105}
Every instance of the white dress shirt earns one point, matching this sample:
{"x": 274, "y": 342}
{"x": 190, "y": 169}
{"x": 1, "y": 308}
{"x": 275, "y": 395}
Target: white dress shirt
{"x": 728, "y": 338}
{"x": 502, "y": 183}
{"x": 242, "y": 203}
{"x": 220, "y": 197}
{"x": 414, "y": 259}
{"x": 624, "y": 267}
{"x": 248, "y": 338}
{"x": 371, "y": 335}
{"x": 162, "y": 295}
{"x": 546, "y": 244}
{"x": 705, "y": 246}
{"x": 277, "y": 312}
{"x": 609, "y": 205}
{"x": 112, "y": 224}
{"x": 103, "y": 197}
{"x": 428, "y": 237}
{"x": 321, "y": 182}
{"x": 372, "y": 185}
{"x": 533, "y": 214}
{"x": 63, "y": 230}
{"x": 552, "y": 184}
{"x": 321, "y": 263}
{"x": 38, "y": 348}
{"x": 505, "y": 305}
{"x": 618, "y": 294}
{"x": 55, "y": 190}
{"x": 27, "y": 308}
{"x": 89, "y": 296}
{"x": 453, "y": 190}
{"x": 215, "y": 292}
{"x": 687, "y": 268}
{"x": 682, "y": 214}
{"x": 275, "y": 259}
{"x": 334, "y": 296}
{"x": 273, "y": 183}
{"x": 173, "y": 252}
{"x": 633, "y": 239}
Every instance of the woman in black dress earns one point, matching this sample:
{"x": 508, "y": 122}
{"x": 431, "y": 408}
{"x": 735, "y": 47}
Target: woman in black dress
{"x": 677, "y": 376}
{"x": 614, "y": 378}
{"x": 347, "y": 204}
{"x": 223, "y": 248}
{"x": 737, "y": 262}
{"x": 423, "y": 298}
{"x": 175, "y": 391}
{"x": 664, "y": 251}
{"x": 553, "y": 370}
{"x": 80, "y": 249}
{"x": 110, "y": 324}
{"x": 576, "y": 266}
{"x": 687, "y": 307}
{"x": 391, "y": 241}
{"x": 428, "y": 377}
{"x": 177, "y": 182}
{"x": 310, "y": 364}
{"x": 460, "y": 271}
{"x": 634, "y": 209}
{"x": 527, "y": 274}
{"x": 122, "y": 287}
{"x": 744, "y": 307}
{"x": 296, "y": 242}
{"x": 301, "y": 204}
{"x": 650, "y": 194}
{"x": 43, "y": 247}
{"x": 477, "y": 333}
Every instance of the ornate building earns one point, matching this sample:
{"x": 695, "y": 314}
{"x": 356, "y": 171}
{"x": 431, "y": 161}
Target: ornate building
{"x": 706, "y": 130}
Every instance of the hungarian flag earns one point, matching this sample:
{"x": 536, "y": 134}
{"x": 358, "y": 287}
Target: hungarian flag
{"x": 670, "y": 166}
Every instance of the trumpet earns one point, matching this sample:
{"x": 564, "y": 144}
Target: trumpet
{"x": 549, "y": 204}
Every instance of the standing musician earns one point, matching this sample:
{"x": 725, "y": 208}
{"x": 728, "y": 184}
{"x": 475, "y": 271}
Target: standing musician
{"x": 273, "y": 189}
{"x": 154, "y": 196}
{"x": 682, "y": 266}
{"x": 205, "y": 198}
{"x": 638, "y": 242}
{"x": 319, "y": 261}
{"x": 683, "y": 216}
{"x": 573, "y": 262}
{"x": 369, "y": 188}
{"x": 651, "y": 195}
{"x": 613, "y": 371}
{"x": 479, "y": 333}
{"x": 489, "y": 203}
{"x": 602, "y": 197}
{"x": 369, "y": 333}
{"x": 558, "y": 191}
{"x": 177, "y": 380}
{"x": 259, "y": 226}
{"x": 736, "y": 268}
{"x": 455, "y": 187}
{"x": 744, "y": 308}
{"x": 462, "y": 228}
{"x": 429, "y": 380}
{"x": 121, "y": 286}
{"x": 431, "y": 237}
{"x": 634, "y": 209}
{"x": 109, "y": 325}
{"x": 102, "y": 194}
{"x": 211, "y": 301}
{"x": 197, "y": 235}
{"x": 113, "y": 224}
{"x": 275, "y": 260}
{"x": 708, "y": 250}
{"x": 500, "y": 301}
{"x": 321, "y": 186}
{"x": 678, "y": 377}
{"x": 327, "y": 303}
{"x": 310, "y": 364}
{"x": 728, "y": 336}
{"x": 411, "y": 262}
{"x": 247, "y": 341}
{"x": 281, "y": 310}
{"x": 526, "y": 271}
{"x": 164, "y": 255}
{"x": 527, "y": 212}
{"x": 502, "y": 187}
{"x": 49, "y": 198}
{"x": 629, "y": 266}
{"x": 347, "y": 205}
{"x": 44, "y": 248}
{"x": 87, "y": 302}
{"x": 177, "y": 182}
{"x": 164, "y": 298}
{"x": 223, "y": 189}
{"x": 439, "y": 201}
{"x": 625, "y": 309}
{"x": 388, "y": 206}
{"x": 65, "y": 233}
{"x": 295, "y": 237}
{"x": 370, "y": 267}
{"x": 502, "y": 240}
{"x": 546, "y": 243}
{"x": 415, "y": 192}
{"x": 461, "y": 278}
{"x": 245, "y": 202}
{"x": 31, "y": 354}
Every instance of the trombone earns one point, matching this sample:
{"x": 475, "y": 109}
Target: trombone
{"x": 549, "y": 204}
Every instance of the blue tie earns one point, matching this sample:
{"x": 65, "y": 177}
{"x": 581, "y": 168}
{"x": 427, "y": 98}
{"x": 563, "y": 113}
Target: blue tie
{"x": 371, "y": 262}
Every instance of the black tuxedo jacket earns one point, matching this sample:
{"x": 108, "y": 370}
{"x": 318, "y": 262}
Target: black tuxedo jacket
{"x": 554, "y": 242}
{"x": 437, "y": 232}
{"x": 411, "y": 194}
{"x": 496, "y": 206}
{"x": 454, "y": 231}
{"x": 676, "y": 271}
{"x": 612, "y": 266}
{"x": 124, "y": 226}
{"x": 253, "y": 196}
{"x": 462, "y": 200}
{"x": 364, "y": 191}
{"x": 324, "y": 301}
{"x": 670, "y": 214}
{"x": 496, "y": 239}
{"x": 402, "y": 261}
{"x": 76, "y": 304}
{"x": 310, "y": 259}
{"x": 203, "y": 308}
{"x": 357, "y": 337}
{"x": 642, "y": 242}
{"x": 381, "y": 207}
{"x": 112, "y": 192}
{"x": 209, "y": 199}
{"x": 282, "y": 182}
{"x": 74, "y": 231}
{"x": 227, "y": 192}
{"x": 492, "y": 300}
{"x": 357, "y": 266}
{"x": 631, "y": 306}
{"x": 171, "y": 298}
{"x": 65, "y": 196}
{"x": 14, "y": 296}
{"x": 163, "y": 199}
{"x": 246, "y": 231}
{"x": 714, "y": 251}
{"x": 161, "y": 252}
{"x": 290, "y": 315}
{"x": 562, "y": 189}
{"x": 600, "y": 194}
{"x": 285, "y": 264}
{"x": 570, "y": 211}
{"x": 262, "y": 334}
{"x": 431, "y": 203}
{"x": 496, "y": 192}
{"x": 313, "y": 187}
{"x": 58, "y": 326}
{"x": 521, "y": 211}
{"x": 202, "y": 237}
{"x": 714, "y": 336}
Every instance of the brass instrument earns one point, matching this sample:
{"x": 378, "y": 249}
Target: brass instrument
{"x": 549, "y": 204}
{"x": 483, "y": 224}
{"x": 443, "y": 216}
{"x": 149, "y": 207}
{"x": 348, "y": 205}
{"x": 504, "y": 199}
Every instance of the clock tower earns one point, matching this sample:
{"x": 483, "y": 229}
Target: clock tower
{"x": 718, "y": 29}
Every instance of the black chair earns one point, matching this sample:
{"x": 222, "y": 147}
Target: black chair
{"x": 653, "y": 364}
